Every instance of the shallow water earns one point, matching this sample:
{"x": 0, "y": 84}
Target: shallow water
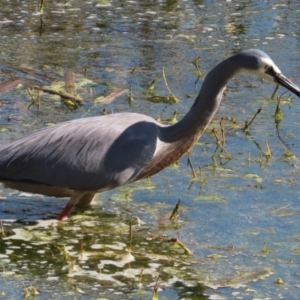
{"x": 241, "y": 222}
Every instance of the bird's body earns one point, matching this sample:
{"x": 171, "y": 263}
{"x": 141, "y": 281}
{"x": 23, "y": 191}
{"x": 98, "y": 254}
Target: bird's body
{"x": 80, "y": 158}
{"x": 72, "y": 145}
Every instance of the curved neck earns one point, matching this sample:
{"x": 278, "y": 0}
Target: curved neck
{"x": 205, "y": 106}
{"x": 179, "y": 138}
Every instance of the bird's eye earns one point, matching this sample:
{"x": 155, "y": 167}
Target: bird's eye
{"x": 268, "y": 69}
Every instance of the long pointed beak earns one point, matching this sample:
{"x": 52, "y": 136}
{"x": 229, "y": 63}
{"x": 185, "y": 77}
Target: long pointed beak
{"x": 285, "y": 82}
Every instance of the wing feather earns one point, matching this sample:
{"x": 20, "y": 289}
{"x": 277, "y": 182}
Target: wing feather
{"x": 89, "y": 154}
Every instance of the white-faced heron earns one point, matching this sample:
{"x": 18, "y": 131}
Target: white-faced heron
{"x": 80, "y": 158}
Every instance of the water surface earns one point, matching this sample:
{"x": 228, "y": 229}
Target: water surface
{"x": 241, "y": 222}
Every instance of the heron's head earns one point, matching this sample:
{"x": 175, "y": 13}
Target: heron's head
{"x": 260, "y": 64}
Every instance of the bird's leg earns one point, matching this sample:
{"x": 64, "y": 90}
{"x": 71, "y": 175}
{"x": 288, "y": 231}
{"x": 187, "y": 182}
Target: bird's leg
{"x": 86, "y": 199}
{"x": 75, "y": 198}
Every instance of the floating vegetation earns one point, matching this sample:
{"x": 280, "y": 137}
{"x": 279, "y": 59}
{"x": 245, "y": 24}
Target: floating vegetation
{"x": 254, "y": 177}
{"x": 60, "y": 90}
{"x": 160, "y": 99}
{"x": 211, "y": 198}
{"x": 266, "y": 250}
{"x": 268, "y": 152}
{"x": 195, "y": 62}
{"x": 174, "y": 241}
{"x": 153, "y": 97}
{"x": 30, "y": 292}
{"x": 279, "y": 281}
{"x": 278, "y": 113}
{"x": 83, "y": 255}
{"x": 112, "y": 96}
{"x": 288, "y": 154}
{"x": 244, "y": 277}
{"x": 126, "y": 192}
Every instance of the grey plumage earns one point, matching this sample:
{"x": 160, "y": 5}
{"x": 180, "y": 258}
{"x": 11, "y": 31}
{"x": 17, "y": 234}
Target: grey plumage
{"x": 92, "y": 163}
{"x": 81, "y": 157}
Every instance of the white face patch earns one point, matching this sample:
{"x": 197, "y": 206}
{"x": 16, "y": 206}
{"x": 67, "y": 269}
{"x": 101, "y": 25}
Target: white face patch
{"x": 261, "y": 71}
{"x": 266, "y": 61}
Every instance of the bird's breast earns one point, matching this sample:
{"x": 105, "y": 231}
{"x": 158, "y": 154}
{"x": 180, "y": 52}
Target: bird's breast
{"x": 165, "y": 155}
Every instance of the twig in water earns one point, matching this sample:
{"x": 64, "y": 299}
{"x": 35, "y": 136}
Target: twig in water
{"x": 195, "y": 62}
{"x": 130, "y": 237}
{"x": 41, "y": 6}
{"x": 215, "y": 133}
{"x": 61, "y": 92}
{"x": 33, "y": 101}
{"x": 174, "y": 241}
{"x": 69, "y": 78}
{"x": 215, "y": 164}
{"x": 180, "y": 244}
{"x": 280, "y": 208}
{"x": 288, "y": 153}
{"x": 81, "y": 249}
{"x": 247, "y": 125}
{"x": 222, "y": 130}
{"x": 175, "y": 212}
{"x": 140, "y": 276}
{"x": 173, "y": 97}
{"x": 268, "y": 151}
{"x": 192, "y": 168}
{"x": 278, "y": 113}
{"x": 7, "y": 85}
{"x": 155, "y": 289}
{"x": 2, "y": 229}
{"x": 112, "y": 96}
{"x": 275, "y": 91}
{"x": 202, "y": 180}
{"x": 228, "y": 155}
{"x": 292, "y": 176}
{"x": 220, "y": 143}
{"x": 130, "y": 97}
{"x": 249, "y": 156}
{"x": 152, "y": 86}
